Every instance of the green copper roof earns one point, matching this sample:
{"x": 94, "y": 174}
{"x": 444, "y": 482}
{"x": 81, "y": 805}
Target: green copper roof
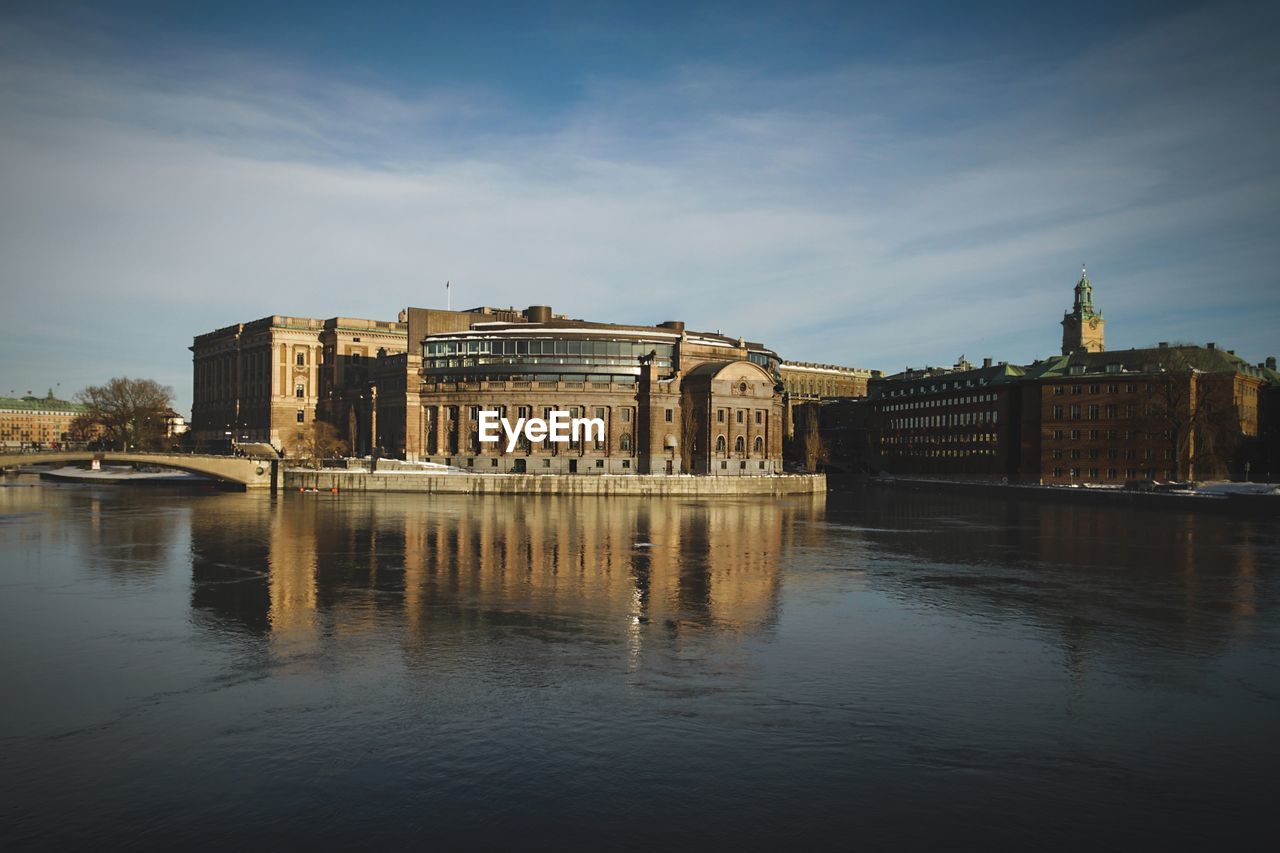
{"x": 40, "y": 404}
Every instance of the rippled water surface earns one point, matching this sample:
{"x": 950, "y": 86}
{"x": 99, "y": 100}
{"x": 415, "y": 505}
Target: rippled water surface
{"x": 874, "y": 669}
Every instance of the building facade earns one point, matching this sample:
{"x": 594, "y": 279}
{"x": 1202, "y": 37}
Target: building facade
{"x": 1089, "y": 416}
{"x": 1163, "y": 413}
{"x": 38, "y": 423}
{"x": 962, "y": 422}
{"x": 808, "y": 382}
{"x": 259, "y": 381}
{"x": 672, "y": 401}
{"x": 1082, "y": 326}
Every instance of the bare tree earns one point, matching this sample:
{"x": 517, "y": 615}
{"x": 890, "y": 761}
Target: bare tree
{"x": 814, "y": 448}
{"x": 313, "y": 442}
{"x": 1191, "y": 413}
{"x": 129, "y": 412}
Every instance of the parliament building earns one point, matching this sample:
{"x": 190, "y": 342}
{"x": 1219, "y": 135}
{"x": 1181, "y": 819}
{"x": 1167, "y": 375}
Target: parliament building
{"x": 673, "y": 400}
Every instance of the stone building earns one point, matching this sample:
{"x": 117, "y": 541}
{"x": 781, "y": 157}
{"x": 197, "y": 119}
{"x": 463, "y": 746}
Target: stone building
{"x": 258, "y": 381}
{"x": 807, "y": 382}
{"x": 1082, "y": 326}
{"x": 37, "y": 422}
{"x": 673, "y": 401}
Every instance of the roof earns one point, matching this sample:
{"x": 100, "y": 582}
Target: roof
{"x": 40, "y": 404}
{"x": 712, "y": 369}
{"x": 1148, "y": 360}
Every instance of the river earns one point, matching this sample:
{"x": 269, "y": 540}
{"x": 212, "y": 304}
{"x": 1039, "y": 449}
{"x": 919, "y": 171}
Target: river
{"x": 878, "y": 668}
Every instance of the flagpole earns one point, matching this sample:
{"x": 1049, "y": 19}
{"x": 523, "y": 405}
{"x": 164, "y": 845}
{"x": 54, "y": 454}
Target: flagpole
{"x": 448, "y": 295}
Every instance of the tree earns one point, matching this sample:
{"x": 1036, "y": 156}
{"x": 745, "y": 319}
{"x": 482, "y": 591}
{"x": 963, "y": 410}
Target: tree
{"x": 814, "y": 448}
{"x": 129, "y": 412}
{"x": 313, "y": 442}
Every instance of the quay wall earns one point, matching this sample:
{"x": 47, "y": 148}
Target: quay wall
{"x": 631, "y": 485}
{"x": 1264, "y": 506}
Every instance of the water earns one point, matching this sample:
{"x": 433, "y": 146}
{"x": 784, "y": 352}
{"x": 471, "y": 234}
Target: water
{"x": 882, "y": 668}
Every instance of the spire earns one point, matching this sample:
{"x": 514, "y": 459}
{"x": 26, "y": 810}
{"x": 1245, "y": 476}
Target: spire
{"x": 1084, "y": 292}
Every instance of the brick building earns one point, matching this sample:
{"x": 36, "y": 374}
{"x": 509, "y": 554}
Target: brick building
{"x": 962, "y": 422}
{"x": 1163, "y": 413}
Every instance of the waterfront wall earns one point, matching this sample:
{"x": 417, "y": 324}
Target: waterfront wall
{"x": 632, "y": 485}
{"x": 1265, "y": 506}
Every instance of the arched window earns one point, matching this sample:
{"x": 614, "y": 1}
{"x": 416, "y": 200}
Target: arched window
{"x": 624, "y": 443}
{"x": 720, "y": 444}
{"x": 759, "y": 445}
{"x": 739, "y": 445}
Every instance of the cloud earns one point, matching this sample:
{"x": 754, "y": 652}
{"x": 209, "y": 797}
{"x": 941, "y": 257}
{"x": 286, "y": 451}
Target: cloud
{"x": 871, "y": 214}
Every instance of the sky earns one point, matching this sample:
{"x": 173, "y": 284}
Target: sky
{"x": 869, "y": 184}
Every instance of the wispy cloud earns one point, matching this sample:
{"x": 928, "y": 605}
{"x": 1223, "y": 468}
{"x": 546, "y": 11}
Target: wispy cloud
{"x": 873, "y": 214}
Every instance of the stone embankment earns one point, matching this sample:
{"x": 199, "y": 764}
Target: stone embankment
{"x": 634, "y": 485}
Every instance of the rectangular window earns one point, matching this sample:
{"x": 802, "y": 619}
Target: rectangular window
{"x": 599, "y": 463}
{"x": 759, "y": 416}
{"x": 299, "y": 391}
{"x": 739, "y": 415}
{"x": 626, "y": 416}
{"x": 302, "y": 416}
{"x": 667, "y": 416}
{"x": 720, "y": 415}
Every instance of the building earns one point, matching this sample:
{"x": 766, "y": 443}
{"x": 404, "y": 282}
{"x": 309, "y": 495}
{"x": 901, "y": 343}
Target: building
{"x": 1088, "y": 416}
{"x": 258, "y": 381}
{"x": 1163, "y": 413}
{"x": 808, "y": 382}
{"x": 961, "y": 422}
{"x": 1082, "y": 326}
{"x": 38, "y": 422}
{"x": 673, "y": 401}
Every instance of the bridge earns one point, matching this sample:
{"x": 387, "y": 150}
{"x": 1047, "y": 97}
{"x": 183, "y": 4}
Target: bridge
{"x": 250, "y": 473}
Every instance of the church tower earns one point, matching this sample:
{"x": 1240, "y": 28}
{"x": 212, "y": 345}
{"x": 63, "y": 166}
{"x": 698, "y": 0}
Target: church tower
{"x": 1082, "y": 326}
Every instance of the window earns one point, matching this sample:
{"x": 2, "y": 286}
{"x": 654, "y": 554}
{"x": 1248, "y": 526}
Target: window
{"x": 739, "y": 415}
{"x": 720, "y": 444}
{"x": 599, "y": 463}
{"x": 1075, "y": 411}
{"x": 600, "y": 412}
{"x": 759, "y": 416}
{"x": 302, "y": 416}
{"x": 626, "y": 416}
{"x": 1094, "y": 389}
{"x": 301, "y": 360}
{"x": 667, "y": 416}
{"x": 1057, "y": 390}
{"x": 739, "y": 445}
{"x": 759, "y": 444}
{"x": 299, "y": 390}
{"x": 720, "y": 415}
{"x": 624, "y": 443}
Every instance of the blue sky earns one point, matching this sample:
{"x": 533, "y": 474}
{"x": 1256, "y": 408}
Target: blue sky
{"x": 868, "y": 184}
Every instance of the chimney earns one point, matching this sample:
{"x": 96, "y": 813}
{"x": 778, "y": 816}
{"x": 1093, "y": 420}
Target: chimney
{"x": 1211, "y": 345}
{"x": 674, "y": 325}
{"x": 538, "y": 314}
{"x": 1271, "y": 362}
{"x": 986, "y": 362}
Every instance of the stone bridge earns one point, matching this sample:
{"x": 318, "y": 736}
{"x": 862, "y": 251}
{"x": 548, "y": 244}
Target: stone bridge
{"x": 251, "y": 473}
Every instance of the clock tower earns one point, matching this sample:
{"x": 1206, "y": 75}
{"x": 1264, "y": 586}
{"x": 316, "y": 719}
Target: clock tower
{"x": 1082, "y": 326}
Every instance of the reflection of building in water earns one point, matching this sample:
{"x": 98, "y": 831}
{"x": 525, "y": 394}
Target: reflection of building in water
{"x": 596, "y": 566}
{"x": 1105, "y": 578}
